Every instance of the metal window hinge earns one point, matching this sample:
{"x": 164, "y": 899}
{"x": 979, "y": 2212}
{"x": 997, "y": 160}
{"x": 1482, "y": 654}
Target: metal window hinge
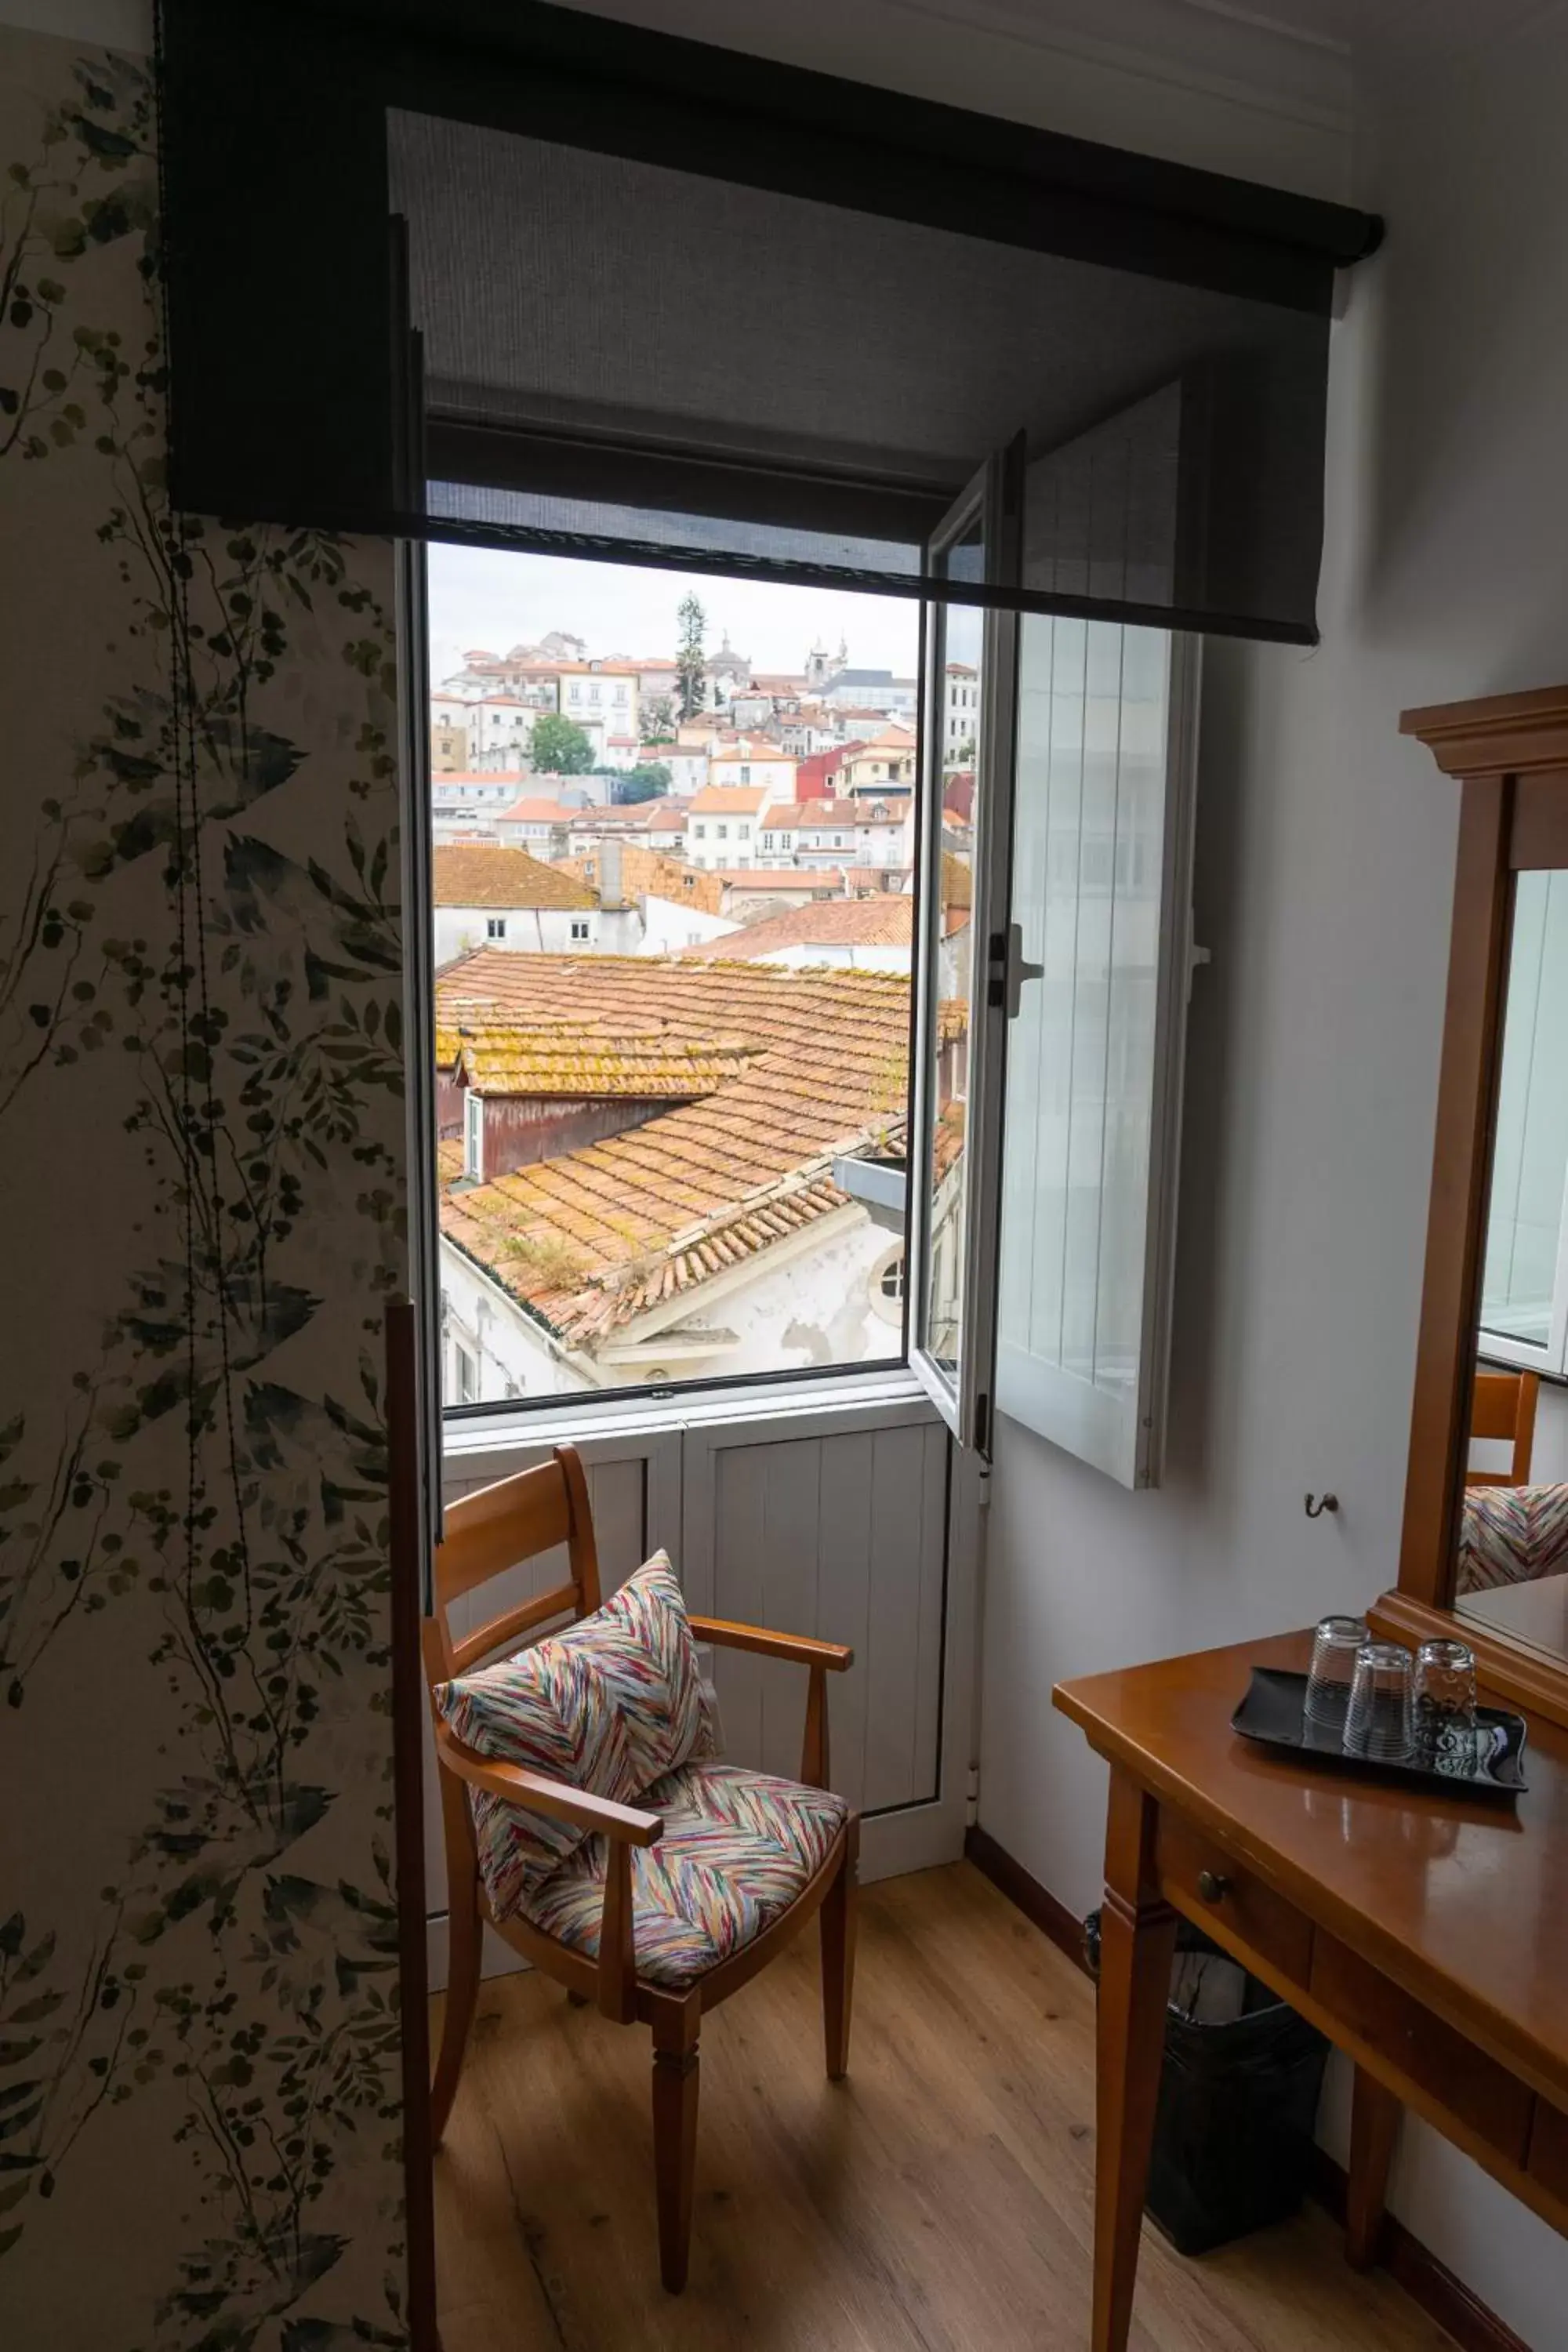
{"x": 972, "y": 1797}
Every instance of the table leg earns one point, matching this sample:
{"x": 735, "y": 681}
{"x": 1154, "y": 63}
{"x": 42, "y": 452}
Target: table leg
{"x": 1375, "y": 2119}
{"x": 1138, "y": 1934}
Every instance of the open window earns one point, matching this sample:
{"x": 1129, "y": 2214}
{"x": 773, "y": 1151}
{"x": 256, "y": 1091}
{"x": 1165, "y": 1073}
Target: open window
{"x": 1057, "y": 816}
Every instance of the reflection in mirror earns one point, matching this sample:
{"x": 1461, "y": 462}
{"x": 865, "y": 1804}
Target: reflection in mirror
{"x": 1512, "y": 1568}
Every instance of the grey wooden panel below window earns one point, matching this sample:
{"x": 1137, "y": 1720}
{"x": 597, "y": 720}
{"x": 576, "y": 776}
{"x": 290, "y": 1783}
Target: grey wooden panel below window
{"x": 844, "y": 1538}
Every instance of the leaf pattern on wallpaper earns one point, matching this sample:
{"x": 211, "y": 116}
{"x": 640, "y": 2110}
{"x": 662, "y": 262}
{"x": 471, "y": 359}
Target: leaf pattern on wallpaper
{"x": 203, "y": 945}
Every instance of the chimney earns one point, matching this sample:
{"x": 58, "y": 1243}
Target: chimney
{"x": 612, "y": 897}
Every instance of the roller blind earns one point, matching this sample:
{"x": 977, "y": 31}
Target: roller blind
{"x": 674, "y": 304}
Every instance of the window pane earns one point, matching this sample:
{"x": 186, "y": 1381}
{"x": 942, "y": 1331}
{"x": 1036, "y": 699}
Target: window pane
{"x": 672, "y": 1089}
{"x": 1083, "y": 1101}
{"x": 956, "y": 638}
{"x": 1529, "y": 1164}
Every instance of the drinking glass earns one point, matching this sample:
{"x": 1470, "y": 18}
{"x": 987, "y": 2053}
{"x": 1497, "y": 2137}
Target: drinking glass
{"x": 1445, "y": 1703}
{"x": 1380, "y": 1719}
{"x": 1335, "y": 1645}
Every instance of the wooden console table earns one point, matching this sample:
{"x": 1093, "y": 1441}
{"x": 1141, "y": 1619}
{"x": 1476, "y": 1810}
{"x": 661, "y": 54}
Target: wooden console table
{"x": 1428, "y": 1940}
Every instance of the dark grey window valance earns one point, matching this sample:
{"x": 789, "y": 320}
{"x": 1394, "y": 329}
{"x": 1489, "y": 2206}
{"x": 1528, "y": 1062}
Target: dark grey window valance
{"x": 521, "y": 274}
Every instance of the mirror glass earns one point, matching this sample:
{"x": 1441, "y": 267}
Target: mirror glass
{"x": 1511, "y": 1571}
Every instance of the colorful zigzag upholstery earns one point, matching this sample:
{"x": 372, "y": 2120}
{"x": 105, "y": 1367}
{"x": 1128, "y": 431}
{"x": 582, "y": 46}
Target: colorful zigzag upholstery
{"x": 1511, "y": 1535}
{"x": 737, "y": 1847}
{"x": 613, "y": 1704}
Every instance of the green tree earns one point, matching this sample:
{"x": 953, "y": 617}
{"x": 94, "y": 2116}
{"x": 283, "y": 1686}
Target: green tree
{"x": 561, "y": 748}
{"x": 689, "y": 656}
{"x": 659, "y": 719}
{"x": 650, "y": 782}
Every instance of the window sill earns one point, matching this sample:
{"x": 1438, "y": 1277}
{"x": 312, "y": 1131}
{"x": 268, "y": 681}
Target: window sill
{"x": 486, "y": 1442}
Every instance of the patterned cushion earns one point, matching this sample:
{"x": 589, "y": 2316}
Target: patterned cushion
{"x": 737, "y": 1849}
{"x": 611, "y": 1704}
{"x": 1509, "y": 1535}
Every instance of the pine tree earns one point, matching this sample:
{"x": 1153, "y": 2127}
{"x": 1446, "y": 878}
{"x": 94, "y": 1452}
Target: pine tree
{"x": 688, "y": 659}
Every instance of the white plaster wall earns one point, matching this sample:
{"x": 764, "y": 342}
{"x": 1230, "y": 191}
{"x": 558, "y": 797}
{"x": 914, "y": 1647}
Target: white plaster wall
{"x": 1325, "y": 868}
{"x": 669, "y": 925}
{"x": 542, "y": 930}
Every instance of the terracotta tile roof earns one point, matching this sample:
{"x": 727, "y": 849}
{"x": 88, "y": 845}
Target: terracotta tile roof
{"x": 729, "y": 799}
{"x": 483, "y": 874}
{"x": 804, "y": 878}
{"x": 886, "y": 921}
{"x": 785, "y": 815}
{"x": 534, "y": 813}
{"x": 588, "y": 1240}
{"x": 590, "y": 1060}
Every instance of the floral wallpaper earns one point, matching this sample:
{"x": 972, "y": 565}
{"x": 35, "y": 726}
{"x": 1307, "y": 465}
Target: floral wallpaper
{"x": 200, "y": 1219}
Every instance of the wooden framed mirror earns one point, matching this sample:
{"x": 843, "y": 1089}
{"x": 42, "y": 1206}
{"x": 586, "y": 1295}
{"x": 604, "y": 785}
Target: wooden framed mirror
{"x": 1484, "y": 1550}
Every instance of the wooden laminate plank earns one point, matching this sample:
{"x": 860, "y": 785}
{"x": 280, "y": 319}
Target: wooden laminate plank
{"x": 939, "y": 2201}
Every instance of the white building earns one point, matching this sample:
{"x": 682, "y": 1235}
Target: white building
{"x": 539, "y": 826}
{"x": 754, "y": 761}
{"x": 687, "y": 762}
{"x": 960, "y": 714}
{"x": 723, "y": 826}
{"x": 599, "y": 697}
{"x": 873, "y": 689}
{"x": 489, "y": 895}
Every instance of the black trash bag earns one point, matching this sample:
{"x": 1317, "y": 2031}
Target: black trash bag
{"x": 1239, "y": 2101}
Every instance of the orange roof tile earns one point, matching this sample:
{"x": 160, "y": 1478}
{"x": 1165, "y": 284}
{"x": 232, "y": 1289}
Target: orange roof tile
{"x": 590, "y": 1240}
{"x": 534, "y": 813}
{"x": 885, "y": 921}
{"x": 483, "y": 874}
{"x": 729, "y": 799}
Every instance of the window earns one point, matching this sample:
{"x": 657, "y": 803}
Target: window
{"x": 996, "y": 1202}
{"x": 1524, "y": 1285}
{"x": 746, "y": 775}
{"x": 473, "y": 1136}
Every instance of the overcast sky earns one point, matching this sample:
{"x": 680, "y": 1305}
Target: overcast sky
{"x": 483, "y": 596}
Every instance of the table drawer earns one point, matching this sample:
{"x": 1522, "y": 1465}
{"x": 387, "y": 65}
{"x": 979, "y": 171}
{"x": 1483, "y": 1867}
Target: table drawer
{"x": 1549, "y": 2150}
{"x": 1204, "y": 1881}
{"x": 1473, "y": 2087}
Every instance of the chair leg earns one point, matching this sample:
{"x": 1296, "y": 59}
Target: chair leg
{"x": 465, "y": 1939}
{"x": 675, "y": 2083}
{"x": 837, "y": 1917}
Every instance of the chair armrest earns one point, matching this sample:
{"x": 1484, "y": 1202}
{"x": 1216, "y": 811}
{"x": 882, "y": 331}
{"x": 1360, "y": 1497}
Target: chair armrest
{"x": 798, "y": 1648}
{"x": 557, "y": 1797}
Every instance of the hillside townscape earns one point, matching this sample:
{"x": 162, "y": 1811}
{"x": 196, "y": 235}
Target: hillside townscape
{"x": 674, "y": 931}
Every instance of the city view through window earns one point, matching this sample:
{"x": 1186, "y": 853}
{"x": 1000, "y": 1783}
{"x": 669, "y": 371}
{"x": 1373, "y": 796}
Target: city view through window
{"x": 675, "y": 924}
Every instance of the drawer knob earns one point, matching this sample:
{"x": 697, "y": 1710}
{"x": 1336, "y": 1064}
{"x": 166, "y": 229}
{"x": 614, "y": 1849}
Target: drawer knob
{"x": 1212, "y": 1886}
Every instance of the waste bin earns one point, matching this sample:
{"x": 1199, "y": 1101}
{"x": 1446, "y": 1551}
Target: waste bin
{"x": 1238, "y": 2098}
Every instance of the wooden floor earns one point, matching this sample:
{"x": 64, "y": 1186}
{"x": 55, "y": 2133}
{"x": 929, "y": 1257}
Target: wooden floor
{"x": 939, "y": 2200}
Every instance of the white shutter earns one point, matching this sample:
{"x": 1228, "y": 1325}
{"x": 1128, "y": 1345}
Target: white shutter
{"x": 1101, "y": 904}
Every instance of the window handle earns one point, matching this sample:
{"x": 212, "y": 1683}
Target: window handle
{"x": 1019, "y": 969}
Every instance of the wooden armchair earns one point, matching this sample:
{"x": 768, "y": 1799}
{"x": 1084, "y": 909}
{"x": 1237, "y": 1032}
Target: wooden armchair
{"x": 486, "y": 1534}
{"x": 1503, "y": 1405}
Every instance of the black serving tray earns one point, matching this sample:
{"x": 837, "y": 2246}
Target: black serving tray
{"x": 1271, "y": 1714}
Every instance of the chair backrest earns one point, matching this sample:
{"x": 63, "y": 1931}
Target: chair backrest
{"x": 1504, "y": 1407}
{"x": 496, "y": 1529}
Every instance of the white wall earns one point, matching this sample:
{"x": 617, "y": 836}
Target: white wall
{"x": 1325, "y": 867}
{"x": 668, "y": 925}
